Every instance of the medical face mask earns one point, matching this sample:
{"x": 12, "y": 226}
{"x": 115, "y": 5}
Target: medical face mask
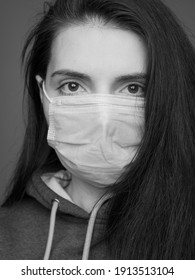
{"x": 95, "y": 135}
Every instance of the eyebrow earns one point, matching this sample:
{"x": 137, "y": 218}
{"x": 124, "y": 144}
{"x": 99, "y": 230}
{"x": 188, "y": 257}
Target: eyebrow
{"x": 121, "y": 79}
{"x": 131, "y": 77}
{"x": 70, "y": 73}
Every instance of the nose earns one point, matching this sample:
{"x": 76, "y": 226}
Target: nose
{"x": 103, "y": 86}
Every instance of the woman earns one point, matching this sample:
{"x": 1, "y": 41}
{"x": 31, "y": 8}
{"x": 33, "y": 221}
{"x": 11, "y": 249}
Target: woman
{"x": 110, "y": 138}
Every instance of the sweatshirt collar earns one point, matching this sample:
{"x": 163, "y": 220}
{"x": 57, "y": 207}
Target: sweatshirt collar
{"x": 39, "y": 190}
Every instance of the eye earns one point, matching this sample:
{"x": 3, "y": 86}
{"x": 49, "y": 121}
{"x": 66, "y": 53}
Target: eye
{"x": 134, "y": 89}
{"x": 71, "y": 88}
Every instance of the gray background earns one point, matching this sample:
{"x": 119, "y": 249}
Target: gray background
{"x": 16, "y": 18}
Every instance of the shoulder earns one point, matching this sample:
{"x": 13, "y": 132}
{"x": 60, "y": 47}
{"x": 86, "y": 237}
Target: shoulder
{"x": 24, "y": 214}
{"x": 21, "y": 228}
{"x": 22, "y": 210}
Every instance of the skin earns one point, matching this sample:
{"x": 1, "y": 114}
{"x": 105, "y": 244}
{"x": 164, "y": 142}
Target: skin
{"x": 103, "y": 53}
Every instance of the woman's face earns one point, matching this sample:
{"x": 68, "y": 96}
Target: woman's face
{"x": 92, "y": 58}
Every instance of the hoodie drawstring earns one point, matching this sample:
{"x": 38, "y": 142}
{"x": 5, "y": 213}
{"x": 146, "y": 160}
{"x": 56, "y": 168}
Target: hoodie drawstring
{"x": 90, "y": 227}
{"x": 51, "y": 229}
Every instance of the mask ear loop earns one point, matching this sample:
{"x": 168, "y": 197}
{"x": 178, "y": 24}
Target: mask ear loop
{"x": 45, "y": 93}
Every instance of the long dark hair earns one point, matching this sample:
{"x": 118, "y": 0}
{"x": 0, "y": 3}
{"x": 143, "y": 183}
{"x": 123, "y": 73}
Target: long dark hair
{"x": 151, "y": 215}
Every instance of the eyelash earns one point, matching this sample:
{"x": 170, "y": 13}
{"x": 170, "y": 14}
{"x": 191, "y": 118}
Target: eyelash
{"x": 67, "y": 83}
{"x": 140, "y": 86}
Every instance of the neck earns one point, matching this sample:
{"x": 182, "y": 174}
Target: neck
{"x": 84, "y": 194}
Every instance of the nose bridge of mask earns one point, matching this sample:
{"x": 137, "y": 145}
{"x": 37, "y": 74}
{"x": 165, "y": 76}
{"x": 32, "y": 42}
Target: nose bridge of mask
{"x": 103, "y": 101}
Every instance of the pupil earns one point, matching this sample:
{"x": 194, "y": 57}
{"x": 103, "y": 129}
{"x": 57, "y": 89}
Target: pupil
{"x": 133, "y": 88}
{"x": 73, "y": 86}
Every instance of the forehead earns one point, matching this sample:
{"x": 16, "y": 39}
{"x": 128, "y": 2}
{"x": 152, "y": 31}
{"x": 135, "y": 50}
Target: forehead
{"x": 92, "y": 48}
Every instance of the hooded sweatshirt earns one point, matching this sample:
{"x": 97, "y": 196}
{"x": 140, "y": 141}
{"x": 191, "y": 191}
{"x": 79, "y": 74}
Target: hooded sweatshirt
{"x": 47, "y": 224}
